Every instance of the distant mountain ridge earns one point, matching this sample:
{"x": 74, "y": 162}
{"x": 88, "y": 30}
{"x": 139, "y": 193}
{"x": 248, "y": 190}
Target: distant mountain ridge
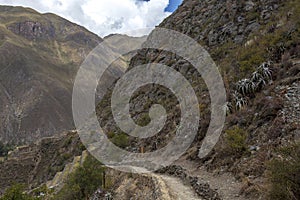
{"x": 39, "y": 58}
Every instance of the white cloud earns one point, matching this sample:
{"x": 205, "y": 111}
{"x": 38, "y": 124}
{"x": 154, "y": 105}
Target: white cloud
{"x": 103, "y": 16}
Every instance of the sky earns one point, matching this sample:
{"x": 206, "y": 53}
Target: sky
{"x": 105, "y": 17}
{"x": 173, "y": 5}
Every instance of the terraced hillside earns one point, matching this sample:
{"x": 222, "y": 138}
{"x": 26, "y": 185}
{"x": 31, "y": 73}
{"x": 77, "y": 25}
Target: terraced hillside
{"x": 35, "y": 164}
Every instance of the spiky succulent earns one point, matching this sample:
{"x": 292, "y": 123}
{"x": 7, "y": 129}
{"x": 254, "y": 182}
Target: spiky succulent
{"x": 246, "y": 86}
{"x": 237, "y": 102}
{"x": 260, "y": 83}
{"x": 256, "y": 76}
{"x": 229, "y": 108}
{"x": 240, "y": 103}
{"x": 265, "y": 70}
{"x": 259, "y": 80}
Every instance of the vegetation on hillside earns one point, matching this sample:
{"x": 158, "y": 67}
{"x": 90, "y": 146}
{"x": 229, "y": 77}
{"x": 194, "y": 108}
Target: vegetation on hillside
{"x": 83, "y": 182}
{"x": 16, "y": 192}
{"x": 4, "y": 149}
{"x": 280, "y": 33}
{"x": 249, "y": 130}
{"x": 236, "y": 140}
{"x": 284, "y": 174}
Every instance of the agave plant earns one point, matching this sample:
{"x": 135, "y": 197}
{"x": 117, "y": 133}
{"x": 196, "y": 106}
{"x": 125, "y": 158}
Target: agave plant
{"x": 237, "y": 102}
{"x": 260, "y": 83}
{"x": 236, "y": 95}
{"x": 240, "y": 103}
{"x": 242, "y": 86}
{"x": 256, "y": 76}
{"x": 246, "y": 86}
{"x": 259, "y": 80}
{"x": 250, "y": 86}
{"x": 229, "y": 108}
{"x": 265, "y": 70}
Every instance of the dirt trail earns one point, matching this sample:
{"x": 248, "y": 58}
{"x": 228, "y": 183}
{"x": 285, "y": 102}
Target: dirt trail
{"x": 178, "y": 190}
{"x": 225, "y": 184}
{"x": 171, "y": 188}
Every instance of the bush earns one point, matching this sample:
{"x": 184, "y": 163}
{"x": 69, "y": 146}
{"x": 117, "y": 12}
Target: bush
{"x": 118, "y": 138}
{"x": 284, "y": 174}
{"x": 16, "y": 192}
{"x": 236, "y": 140}
{"x": 82, "y": 183}
{"x": 4, "y": 149}
{"x": 41, "y": 192}
{"x": 250, "y": 58}
{"x": 121, "y": 140}
{"x": 144, "y": 120}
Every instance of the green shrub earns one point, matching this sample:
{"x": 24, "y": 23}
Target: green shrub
{"x": 81, "y": 147}
{"x": 110, "y": 134}
{"x": 284, "y": 174}
{"x": 236, "y": 140}
{"x": 16, "y": 192}
{"x": 144, "y": 119}
{"x": 82, "y": 183}
{"x": 4, "y": 149}
{"x": 43, "y": 189}
{"x": 67, "y": 142}
{"x": 121, "y": 140}
{"x": 250, "y": 58}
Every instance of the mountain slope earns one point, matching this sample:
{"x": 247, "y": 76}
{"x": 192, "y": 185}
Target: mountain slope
{"x": 39, "y": 57}
{"x": 35, "y": 164}
{"x": 242, "y": 38}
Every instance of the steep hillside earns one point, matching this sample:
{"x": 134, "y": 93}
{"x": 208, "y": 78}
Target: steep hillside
{"x": 239, "y": 35}
{"x": 39, "y": 58}
{"x": 256, "y": 47}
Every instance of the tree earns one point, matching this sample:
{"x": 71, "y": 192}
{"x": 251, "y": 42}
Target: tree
{"x": 16, "y": 192}
{"x": 84, "y": 181}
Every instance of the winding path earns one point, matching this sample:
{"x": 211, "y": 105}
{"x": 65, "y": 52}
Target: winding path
{"x": 178, "y": 190}
{"x": 170, "y": 188}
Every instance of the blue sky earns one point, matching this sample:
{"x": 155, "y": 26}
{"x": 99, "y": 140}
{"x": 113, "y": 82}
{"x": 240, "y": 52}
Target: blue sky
{"x": 173, "y": 5}
{"x": 105, "y": 16}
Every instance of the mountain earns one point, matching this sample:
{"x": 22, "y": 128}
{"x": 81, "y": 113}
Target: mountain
{"x": 40, "y": 56}
{"x": 239, "y": 36}
{"x": 255, "y": 45}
